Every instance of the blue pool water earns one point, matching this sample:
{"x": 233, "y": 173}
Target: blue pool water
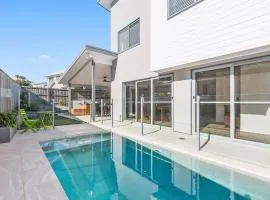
{"x": 105, "y": 166}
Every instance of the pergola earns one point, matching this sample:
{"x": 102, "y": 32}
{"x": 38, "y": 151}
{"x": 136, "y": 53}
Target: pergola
{"x": 90, "y": 68}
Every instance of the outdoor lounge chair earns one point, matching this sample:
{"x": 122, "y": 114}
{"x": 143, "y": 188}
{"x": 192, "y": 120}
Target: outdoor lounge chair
{"x": 30, "y": 124}
{"x": 82, "y": 110}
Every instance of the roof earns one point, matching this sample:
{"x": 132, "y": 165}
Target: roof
{"x": 100, "y": 50}
{"x": 80, "y": 74}
{"x": 107, "y": 4}
{"x": 55, "y": 73}
{"x": 40, "y": 83}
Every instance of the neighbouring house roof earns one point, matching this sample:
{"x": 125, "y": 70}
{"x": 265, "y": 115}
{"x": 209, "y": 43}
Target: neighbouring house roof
{"x": 107, "y": 4}
{"x": 79, "y": 73}
{"x": 55, "y": 74}
{"x": 41, "y": 83}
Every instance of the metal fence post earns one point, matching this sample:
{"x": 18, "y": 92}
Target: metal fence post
{"x": 19, "y": 107}
{"x": 112, "y": 112}
{"x": 101, "y": 110}
{"x": 29, "y": 99}
{"x": 53, "y": 113}
{"x": 142, "y": 101}
{"x": 198, "y": 121}
{"x": 90, "y": 112}
{"x": 172, "y": 107}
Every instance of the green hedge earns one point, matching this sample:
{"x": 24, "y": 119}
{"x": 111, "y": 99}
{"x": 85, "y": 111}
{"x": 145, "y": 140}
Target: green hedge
{"x": 8, "y": 119}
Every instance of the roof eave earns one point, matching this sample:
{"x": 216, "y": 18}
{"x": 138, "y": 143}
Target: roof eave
{"x": 99, "y": 50}
{"x": 87, "y": 48}
{"x": 107, "y": 7}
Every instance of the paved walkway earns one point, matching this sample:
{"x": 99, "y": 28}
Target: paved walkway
{"x": 25, "y": 172}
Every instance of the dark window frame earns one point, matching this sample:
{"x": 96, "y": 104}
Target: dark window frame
{"x": 128, "y": 28}
{"x": 169, "y": 16}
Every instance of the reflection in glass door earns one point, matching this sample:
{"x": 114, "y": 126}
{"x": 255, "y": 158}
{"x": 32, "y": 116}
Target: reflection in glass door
{"x": 144, "y": 90}
{"x": 235, "y": 100}
{"x": 252, "y": 102}
{"x": 162, "y": 112}
{"x": 130, "y": 106}
{"x": 157, "y": 94}
{"x": 213, "y": 86}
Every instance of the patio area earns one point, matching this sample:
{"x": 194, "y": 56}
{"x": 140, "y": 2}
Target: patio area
{"x": 26, "y": 174}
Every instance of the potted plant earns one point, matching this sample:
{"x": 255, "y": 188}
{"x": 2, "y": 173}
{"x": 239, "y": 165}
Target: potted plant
{"x": 8, "y": 123}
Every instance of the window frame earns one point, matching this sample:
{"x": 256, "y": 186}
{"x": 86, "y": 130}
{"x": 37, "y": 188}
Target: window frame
{"x": 128, "y": 28}
{"x": 179, "y": 12}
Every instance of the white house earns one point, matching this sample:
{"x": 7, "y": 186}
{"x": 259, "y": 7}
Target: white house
{"x": 178, "y": 54}
{"x": 40, "y": 85}
{"x": 53, "y": 80}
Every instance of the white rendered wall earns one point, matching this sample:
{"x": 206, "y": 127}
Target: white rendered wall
{"x": 134, "y": 63}
{"x": 207, "y": 30}
{"x": 182, "y": 101}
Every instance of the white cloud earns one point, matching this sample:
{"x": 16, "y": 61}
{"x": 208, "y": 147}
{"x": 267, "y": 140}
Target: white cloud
{"x": 43, "y": 57}
{"x": 40, "y": 57}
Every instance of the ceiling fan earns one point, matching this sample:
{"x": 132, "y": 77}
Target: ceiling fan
{"x": 104, "y": 79}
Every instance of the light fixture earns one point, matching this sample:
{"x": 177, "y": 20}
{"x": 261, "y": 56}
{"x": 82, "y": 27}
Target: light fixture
{"x": 88, "y": 55}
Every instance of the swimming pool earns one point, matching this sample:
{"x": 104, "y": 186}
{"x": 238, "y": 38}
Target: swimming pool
{"x": 108, "y": 166}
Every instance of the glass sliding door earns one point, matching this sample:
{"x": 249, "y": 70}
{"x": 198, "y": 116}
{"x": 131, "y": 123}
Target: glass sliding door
{"x": 252, "y": 98}
{"x": 162, "y": 105}
{"x": 213, "y": 86}
{"x": 130, "y": 98}
{"x": 144, "y": 90}
{"x": 235, "y": 100}
{"x": 157, "y": 106}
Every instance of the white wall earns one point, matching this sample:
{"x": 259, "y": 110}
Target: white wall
{"x": 134, "y": 63}
{"x": 209, "y": 29}
{"x": 182, "y": 100}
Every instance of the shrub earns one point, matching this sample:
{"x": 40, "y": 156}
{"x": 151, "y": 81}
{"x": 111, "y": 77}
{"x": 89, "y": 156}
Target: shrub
{"x": 8, "y": 119}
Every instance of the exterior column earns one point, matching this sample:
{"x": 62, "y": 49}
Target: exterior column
{"x": 69, "y": 98}
{"x": 93, "y": 107}
{"x": 232, "y": 105}
{"x": 130, "y": 102}
{"x": 136, "y": 101}
{"x": 152, "y": 101}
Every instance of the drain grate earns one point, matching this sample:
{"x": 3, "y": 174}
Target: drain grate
{"x": 181, "y": 138}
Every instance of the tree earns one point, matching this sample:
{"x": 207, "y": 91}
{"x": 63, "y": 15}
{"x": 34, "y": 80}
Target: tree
{"x": 22, "y": 81}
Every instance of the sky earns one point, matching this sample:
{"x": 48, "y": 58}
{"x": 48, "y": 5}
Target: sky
{"x": 38, "y": 37}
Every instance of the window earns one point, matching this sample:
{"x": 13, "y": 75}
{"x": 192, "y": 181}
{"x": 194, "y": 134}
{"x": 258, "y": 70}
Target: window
{"x": 177, "y": 6}
{"x": 129, "y": 36}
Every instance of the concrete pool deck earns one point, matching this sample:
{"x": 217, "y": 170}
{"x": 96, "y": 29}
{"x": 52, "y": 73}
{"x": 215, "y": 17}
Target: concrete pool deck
{"x": 251, "y": 159}
{"x": 25, "y": 172}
